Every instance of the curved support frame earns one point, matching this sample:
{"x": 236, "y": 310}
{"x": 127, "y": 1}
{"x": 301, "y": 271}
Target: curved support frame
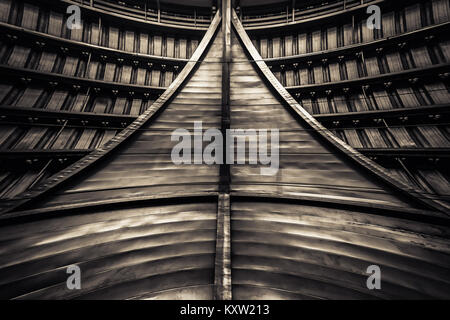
{"x": 333, "y": 15}
{"x": 344, "y": 148}
{"x": 94, "y": 10}
{"x": 63, "y": 176}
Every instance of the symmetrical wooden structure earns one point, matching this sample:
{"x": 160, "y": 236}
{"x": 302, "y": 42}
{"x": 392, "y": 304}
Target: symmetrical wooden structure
{"x": 100, "y": 189}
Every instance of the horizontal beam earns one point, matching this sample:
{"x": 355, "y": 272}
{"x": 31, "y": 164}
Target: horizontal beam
{"x": 423, "y": 153}
{"x": 30, "y": 75}
{"x": 424, "y": 115}
{"x": 260, "y": 23}
{"x": 393, "y": 41}
{"x": 132, "y": 21}
{"x": 285, "y": 24}
{"x": 318, "y": 200}
{"x": 28, "y": 37}
{"x": 402, "y": 76}
{"x": 43, "y": 116}
{"x": 43, "y": 154}
{"x": 66, "y": 209}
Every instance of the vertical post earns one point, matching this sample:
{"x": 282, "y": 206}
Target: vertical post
{"x": 145, "y": 9}
{"x": 353, "y": 29}
{"x": 100, "y": 31}
{"x": 226, "y": 34}
{"x": 293, "y": 10}
{"x": 88, "y": 65}
{"x": 287, "y": 13}
{"x": 159, "y": 10}
{"x": 222, "y": 267}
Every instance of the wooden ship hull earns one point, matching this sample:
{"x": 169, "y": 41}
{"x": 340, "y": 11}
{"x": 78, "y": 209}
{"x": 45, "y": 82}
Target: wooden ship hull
{"x": 141, "y": 227}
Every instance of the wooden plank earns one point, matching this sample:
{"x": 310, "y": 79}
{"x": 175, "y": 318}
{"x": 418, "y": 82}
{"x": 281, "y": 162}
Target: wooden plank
{"x": 421, "y": 57}
{"x": 408, "y": 97}
{"x": 438, "y": 92}
{"x": 183, "y": 48}
{"x": 441, "y": 11}
{"x": 316, "y": 41}
{"x": 19, "y": 56}
{"x": 113, "y": 37}
{"x": 95, "y": 34}
{"x": 80, "y": 102}
{"x": 288, "y": 45}
{"x": 70, "y": 66}
{"x": 222, "y": 268}
{"x": 55, "y": 23}
{"x": 413, "y": 17}
{"x": 332, "y": 38}
{"x": 170, "y": 47}
{"x": 125, "y": 75}
{"x": 129, "y": 41}
{"x": 157, "y": 45}
{"x": 29, "y": 97}
{"x": 388, "y": 24}
{"x": 5, "y": 6}
{"x": 30, "y": 16}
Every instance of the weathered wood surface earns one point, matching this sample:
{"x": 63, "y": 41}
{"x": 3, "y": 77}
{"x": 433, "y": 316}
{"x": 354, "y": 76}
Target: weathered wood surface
{"x": 247, "y": 248}
{"x": 329, "y": 143}
{"x": 289, "y": 251}
{"x": 308, "y": 166}
{"x": 151, "y": 252}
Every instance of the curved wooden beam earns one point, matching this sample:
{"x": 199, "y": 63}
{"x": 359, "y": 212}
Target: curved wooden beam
{"x": 341, "y": 146}
{"x": 314, "y": 19}
{"x": 80, "y": 166}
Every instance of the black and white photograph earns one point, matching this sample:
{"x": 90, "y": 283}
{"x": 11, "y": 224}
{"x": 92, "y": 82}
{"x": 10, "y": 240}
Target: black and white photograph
{"x": 223, "y": 156}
